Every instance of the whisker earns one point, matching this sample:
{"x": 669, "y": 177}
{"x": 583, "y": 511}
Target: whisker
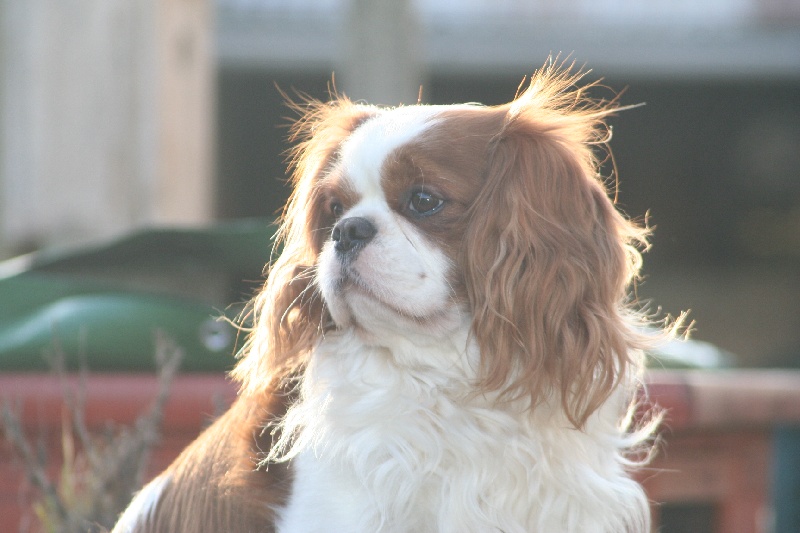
{"x": 306, "y": 273}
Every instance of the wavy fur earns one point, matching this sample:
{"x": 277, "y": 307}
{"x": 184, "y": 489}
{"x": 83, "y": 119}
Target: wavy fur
{"x": 289, "y": 314}
{"x": 549, "y": 296}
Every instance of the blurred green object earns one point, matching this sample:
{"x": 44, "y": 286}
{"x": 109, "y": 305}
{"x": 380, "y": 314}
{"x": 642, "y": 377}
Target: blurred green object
{"x": 103, "y": 305}
{"x": 688, "y": 354}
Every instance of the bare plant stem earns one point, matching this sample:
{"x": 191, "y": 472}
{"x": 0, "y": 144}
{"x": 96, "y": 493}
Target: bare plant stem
{"x": 100, "y": 474}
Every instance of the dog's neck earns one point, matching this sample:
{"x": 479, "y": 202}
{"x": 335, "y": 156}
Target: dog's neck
{"x": 394, "y": 440}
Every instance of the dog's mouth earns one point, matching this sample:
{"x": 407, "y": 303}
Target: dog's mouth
{"x": 365, "y": 301}
{"x": 351, "y": 285}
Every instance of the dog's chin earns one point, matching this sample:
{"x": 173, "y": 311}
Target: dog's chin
{"x": 374, "y": 315}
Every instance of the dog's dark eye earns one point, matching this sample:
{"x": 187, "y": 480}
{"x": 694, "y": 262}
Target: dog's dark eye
{"x": 336, "y": 208}
{"x": 424, "y": 203}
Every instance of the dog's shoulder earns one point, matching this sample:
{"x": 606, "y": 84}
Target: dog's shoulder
{"x": 216, "y": 483}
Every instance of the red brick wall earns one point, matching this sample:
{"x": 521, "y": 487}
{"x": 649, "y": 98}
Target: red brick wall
{"x": 716, "y": 448}
{"x": 194, "y": 399}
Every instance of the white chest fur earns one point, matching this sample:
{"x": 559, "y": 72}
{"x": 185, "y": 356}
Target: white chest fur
{"x": 393, "y": 441}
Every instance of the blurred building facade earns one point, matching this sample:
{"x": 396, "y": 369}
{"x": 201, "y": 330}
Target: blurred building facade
{"x": 713, "y": 156}
{"x": 712, "y": 159}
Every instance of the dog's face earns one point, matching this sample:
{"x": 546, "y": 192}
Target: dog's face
{"x": 419, "y": 220}
{"x": 395, "y": 198}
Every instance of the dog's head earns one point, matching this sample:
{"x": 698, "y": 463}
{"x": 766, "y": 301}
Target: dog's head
{"x": 420, "y": 220}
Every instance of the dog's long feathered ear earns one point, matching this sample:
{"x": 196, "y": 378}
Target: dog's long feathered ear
{"x": 548, "y": 257}
{"x": 288, "y": 314}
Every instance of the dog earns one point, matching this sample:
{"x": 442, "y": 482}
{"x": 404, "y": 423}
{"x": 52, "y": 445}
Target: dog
{"x": 446, "y": 342}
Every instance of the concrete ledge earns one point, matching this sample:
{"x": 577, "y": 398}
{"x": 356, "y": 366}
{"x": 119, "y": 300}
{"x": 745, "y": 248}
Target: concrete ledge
{"x": 726, "y": 399}
{"x": 693, "y": 399}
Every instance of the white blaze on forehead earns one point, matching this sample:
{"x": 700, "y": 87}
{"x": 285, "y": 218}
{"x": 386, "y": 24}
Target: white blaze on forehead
{"x": 365, "y": 151}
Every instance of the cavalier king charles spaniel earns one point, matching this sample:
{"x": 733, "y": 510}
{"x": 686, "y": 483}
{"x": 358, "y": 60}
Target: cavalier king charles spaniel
{"x": 446, "y": 342}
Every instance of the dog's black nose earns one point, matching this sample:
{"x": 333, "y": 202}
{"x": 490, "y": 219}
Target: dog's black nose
{"x": 352, "y": 233}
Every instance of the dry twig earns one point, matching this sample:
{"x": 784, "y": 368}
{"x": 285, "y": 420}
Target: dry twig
{"x": 100, "y": 474}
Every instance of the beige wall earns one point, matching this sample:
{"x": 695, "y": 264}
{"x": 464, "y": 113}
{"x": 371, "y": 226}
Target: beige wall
{"x": 106, "y": 118}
